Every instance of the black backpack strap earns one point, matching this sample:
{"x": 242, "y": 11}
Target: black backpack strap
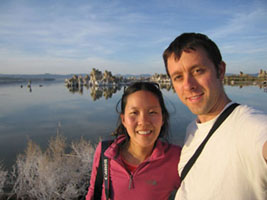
{"x": 100, "y": 171}
{"x": 217, "y": 123}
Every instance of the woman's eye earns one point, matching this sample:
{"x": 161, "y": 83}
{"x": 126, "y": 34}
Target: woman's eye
{"x": 133, "y": 113}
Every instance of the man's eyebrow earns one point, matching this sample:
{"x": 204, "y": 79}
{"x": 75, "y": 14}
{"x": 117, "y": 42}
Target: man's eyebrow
{"x": 190, "y": 69}
{"x": 196, "y": 66}
{"x": 175, "y": 73}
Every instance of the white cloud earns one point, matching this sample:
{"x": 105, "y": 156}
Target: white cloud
{"x": 242, "y": 24}
{"x": 122, "y": 36}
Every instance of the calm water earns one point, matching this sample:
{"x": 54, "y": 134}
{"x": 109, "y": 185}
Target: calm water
{"x": 36, "y": 114}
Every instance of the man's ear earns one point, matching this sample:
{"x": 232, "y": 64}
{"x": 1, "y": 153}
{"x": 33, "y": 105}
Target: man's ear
{"x": 221, "y": 70}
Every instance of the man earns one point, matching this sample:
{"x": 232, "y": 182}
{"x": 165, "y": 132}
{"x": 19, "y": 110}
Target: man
{"x": 233, "y": 164}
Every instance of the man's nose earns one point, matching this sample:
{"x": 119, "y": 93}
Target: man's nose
{"x": 189, "y": 82}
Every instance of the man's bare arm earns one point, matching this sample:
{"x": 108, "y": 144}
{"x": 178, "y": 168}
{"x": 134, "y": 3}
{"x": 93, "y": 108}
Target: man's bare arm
{"x": 264, "y": 151}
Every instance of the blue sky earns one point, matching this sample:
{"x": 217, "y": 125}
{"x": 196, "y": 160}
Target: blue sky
{"x": 125, "y": 36}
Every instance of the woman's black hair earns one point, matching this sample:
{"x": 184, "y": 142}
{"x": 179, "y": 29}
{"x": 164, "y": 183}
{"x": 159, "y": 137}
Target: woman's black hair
{"x": 145, "y": 86}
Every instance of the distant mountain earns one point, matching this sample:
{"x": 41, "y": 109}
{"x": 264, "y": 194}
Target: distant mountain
{"x": 230, "y": 74}
{"x": 255, "y": 75}
{"x": 133, "y": 75}
{"x": 37, "y": 76}
{"x": 64, "y": 76}
{"x": 24, "y": 78}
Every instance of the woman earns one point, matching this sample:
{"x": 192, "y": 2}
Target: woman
{"x": 141, "y": 164}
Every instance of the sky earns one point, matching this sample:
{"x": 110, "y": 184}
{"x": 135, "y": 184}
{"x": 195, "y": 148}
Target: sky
{"x": 125, "y": 36}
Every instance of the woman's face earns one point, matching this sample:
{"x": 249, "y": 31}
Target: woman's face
{"x": 142, "y": 118}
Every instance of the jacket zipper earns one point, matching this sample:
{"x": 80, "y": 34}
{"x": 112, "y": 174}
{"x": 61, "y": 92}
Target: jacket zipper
{"x": 131, "y": 181}
{"x": 130, "y": 175}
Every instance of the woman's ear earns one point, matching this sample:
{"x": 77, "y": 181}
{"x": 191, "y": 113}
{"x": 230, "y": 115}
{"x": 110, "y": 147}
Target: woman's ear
{"x": 122, "y": 119}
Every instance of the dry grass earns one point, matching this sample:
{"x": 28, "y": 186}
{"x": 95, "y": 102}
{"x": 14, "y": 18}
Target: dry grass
{"x": 3, "y": 177}
{"x": 53, "y": 174}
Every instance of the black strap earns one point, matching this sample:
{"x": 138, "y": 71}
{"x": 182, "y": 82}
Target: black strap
{"x": 105, "y": 168}
{"x": 217, "y": 123}
{"x": 100, "y": 172}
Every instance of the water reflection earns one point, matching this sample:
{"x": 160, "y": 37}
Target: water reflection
{"x": 103, "y": 91}
{"x": 106, "y": 91}
{"x": 261, "y": 84}
{"x": 166, "y": 86}
{"x": 96, "y": 92}
{"x": 35, "y": 115}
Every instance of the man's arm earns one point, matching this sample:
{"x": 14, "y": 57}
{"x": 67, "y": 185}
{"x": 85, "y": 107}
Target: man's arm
{"x": 264, "y": 151}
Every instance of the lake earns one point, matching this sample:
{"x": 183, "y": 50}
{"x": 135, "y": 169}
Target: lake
{"x": 39, "y": 112}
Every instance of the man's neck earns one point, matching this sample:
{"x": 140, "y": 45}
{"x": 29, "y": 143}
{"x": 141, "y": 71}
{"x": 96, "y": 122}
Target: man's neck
{"x": 207, "y": 117}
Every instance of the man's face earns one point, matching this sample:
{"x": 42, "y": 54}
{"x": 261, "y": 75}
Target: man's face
{"x": 197, "y": 84}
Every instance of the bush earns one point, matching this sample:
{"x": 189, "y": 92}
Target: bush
{"x": 53, "y": 174}
{"x": 3, "y": 177}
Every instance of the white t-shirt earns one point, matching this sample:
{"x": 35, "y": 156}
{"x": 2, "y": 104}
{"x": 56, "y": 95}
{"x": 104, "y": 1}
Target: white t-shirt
{"x": 231, "y": 165}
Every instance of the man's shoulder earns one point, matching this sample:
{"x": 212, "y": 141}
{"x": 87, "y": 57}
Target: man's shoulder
{"x": 247, "y": 116}
{"x": 246, "y": 111}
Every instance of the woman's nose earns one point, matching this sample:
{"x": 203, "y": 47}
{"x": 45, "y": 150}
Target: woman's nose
{"x": 143, "y": 118}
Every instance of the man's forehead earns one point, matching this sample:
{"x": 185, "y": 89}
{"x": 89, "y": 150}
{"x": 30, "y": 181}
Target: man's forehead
{"x": 176, "y": 56}
{"x": 200, "y": 50}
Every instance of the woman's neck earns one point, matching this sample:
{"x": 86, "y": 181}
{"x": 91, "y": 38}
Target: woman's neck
{"x": 135, "y": 155}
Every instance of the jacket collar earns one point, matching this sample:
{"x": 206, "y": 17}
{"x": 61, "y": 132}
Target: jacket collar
{"x": 158, "y": 152}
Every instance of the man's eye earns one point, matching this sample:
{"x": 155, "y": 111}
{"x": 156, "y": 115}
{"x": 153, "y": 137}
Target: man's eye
{"x": 199, "y": 71}
{"x": 177, "y": 77}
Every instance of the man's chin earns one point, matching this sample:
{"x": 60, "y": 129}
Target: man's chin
{"x": 196, "y": 110}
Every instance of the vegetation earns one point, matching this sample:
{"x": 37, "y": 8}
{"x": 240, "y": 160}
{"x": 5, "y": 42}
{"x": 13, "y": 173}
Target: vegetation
{"x": 53, "y": 173}
{"x": 3, "y": 177}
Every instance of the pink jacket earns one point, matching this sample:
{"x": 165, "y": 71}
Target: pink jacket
{"x": 155, "y": 178}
